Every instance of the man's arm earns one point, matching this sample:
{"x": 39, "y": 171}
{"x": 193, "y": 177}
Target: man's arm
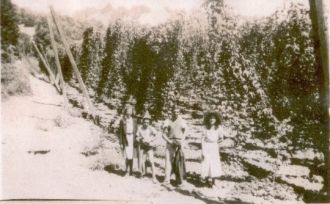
{"x": 164, "y": 135}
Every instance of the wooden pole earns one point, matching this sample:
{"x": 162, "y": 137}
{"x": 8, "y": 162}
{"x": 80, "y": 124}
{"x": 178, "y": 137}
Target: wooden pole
{"x": 57, "y": 79}
{"x": 72, "y": 61}
{"x": 51, "y": 75}
{"x": 320, "y": 36}
{"x": 42, "y": 51}
{"x": 57, "y": 62}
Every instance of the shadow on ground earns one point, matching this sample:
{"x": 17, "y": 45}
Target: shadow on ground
{"x": 112, "y": 170}
{"x": 192, "y": 178}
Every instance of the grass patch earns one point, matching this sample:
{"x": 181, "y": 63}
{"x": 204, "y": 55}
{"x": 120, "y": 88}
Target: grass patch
{"x": 15, "y": 80}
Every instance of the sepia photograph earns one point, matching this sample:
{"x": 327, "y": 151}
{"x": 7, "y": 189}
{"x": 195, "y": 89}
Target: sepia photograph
{"x": 165, "y": 101}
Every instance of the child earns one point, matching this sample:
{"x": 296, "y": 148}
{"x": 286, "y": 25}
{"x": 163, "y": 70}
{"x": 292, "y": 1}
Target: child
{"x": 146, "y": 136}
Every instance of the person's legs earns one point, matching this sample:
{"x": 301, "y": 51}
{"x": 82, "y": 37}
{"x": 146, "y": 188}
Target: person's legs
{"x": 168, "y": 163}
{"x": 144, "y": 167}
{"x": 126, "y": 166}
{"x": 129, "y": 153}
{"x": 126, "y": 160}
{"x": 181, "y": 171}
{"x": 151, "y": 159}
{"x": 139, "y": 158}
{"x": 180, "y": 178}
{"x": 130, "y": 164}
{"x": 141, "y": 162}
{"x": 206, "y": 166}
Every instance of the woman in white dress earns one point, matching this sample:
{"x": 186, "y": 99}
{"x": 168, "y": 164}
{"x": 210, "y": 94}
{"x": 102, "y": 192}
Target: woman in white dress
{"x": 213, "y": 132}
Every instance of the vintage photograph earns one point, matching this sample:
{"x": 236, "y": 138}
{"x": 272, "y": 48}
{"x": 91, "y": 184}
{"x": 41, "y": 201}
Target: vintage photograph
{"x": 165, "y": 101}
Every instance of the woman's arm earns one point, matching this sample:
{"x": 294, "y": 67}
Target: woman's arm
{"x": 220, "y": 134}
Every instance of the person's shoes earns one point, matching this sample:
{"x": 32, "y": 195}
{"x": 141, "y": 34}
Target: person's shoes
{"x": 183, "y": 184}
{"x": 154, "y": 180}
{"x": 180, "y": 185}
{"x": 166, "y": 183}
{"x": 209, "y": 185}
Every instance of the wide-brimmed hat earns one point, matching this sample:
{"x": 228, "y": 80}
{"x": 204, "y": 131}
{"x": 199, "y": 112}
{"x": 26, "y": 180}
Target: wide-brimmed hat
{"x": 146, "y": 116}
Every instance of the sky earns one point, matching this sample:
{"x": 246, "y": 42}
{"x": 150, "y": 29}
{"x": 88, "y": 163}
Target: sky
{"x": 157, "y": 9}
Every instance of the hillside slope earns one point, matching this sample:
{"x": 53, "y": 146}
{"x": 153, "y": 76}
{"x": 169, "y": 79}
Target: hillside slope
{"x": 43, "y": 155}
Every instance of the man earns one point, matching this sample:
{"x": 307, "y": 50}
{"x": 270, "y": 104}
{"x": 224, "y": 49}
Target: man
{"x": 174, "y": 133}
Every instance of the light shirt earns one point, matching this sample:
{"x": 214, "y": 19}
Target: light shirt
{"x": 147, "y": 135}
{"x": 176, "y": 128}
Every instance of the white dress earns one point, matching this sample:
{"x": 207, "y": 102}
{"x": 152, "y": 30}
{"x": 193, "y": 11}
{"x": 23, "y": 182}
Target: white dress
{"x": 211, "y": 166}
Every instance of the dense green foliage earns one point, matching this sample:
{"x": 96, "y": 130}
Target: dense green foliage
{"x": 260, "y": 75}
{"x": 282, "y": 53}
{"x": 9, "y": 29}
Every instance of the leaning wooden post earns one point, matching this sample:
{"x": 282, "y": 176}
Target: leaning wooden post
{"x": 51, "y": 75}
{"x": 44, "y": 54}
{"x": 57, "y": 62}
{"x": 72, "y": 61}
{"x": 321, "y": 50}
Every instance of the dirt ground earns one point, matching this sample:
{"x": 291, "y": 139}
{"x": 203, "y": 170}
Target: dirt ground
{"x": 42, "y": 155}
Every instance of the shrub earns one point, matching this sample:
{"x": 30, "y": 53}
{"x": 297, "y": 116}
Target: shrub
{"x": 15, "y": 80}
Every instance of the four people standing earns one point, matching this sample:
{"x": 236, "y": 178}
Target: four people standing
{"x": 142, "y": 140}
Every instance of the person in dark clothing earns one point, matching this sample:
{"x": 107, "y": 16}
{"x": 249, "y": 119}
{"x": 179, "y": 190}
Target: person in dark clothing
{"x": 178, "y": 165}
